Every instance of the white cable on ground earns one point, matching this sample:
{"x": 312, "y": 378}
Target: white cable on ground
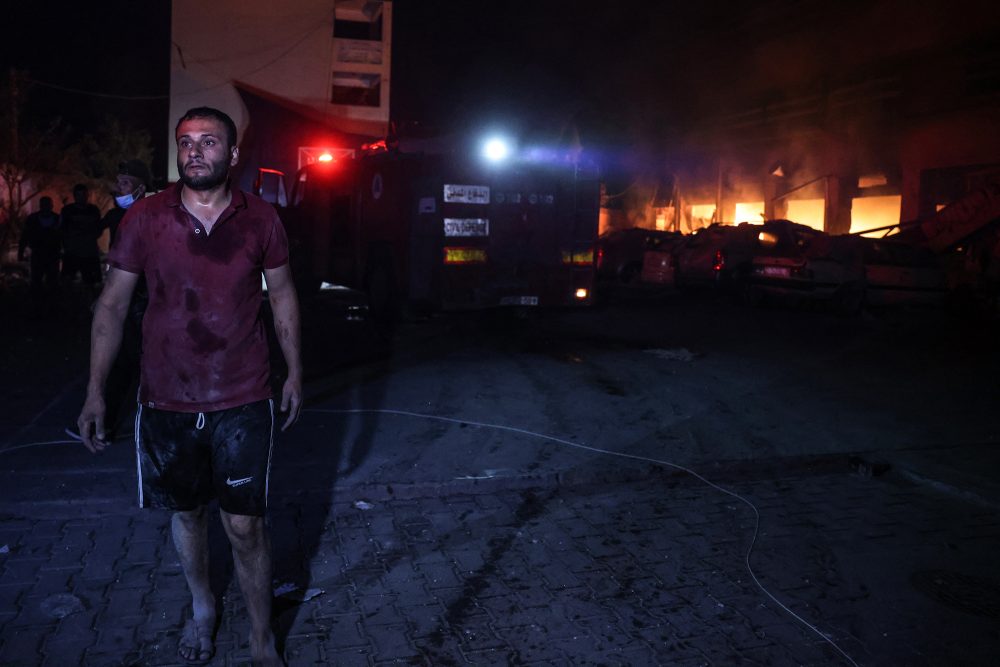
{"x": 636, "y": 457}
{"x": 39, "y": 444}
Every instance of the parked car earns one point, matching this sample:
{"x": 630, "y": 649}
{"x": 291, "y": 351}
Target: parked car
{"x": 900, "y": 273}
{"x": 801, "y": 264}
{"x": 621, "y": 253}
{"x": 721, "y": 255}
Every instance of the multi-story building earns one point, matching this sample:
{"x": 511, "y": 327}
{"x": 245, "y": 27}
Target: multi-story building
{"x": 302, "y": 78}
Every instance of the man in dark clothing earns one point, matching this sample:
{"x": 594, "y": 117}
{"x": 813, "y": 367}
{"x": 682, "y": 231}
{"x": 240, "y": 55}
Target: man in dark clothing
{"x": 42, "y": 236}
{"x": 205, "y": 423}
{"x": 81, "y": 227}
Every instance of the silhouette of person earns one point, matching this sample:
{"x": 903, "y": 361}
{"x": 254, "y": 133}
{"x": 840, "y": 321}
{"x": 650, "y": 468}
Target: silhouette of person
{"x": 42, "y": 236}
{"x": 81, "y": 227}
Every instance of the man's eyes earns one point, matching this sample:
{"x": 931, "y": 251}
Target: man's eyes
{"x": 184, "y": 143}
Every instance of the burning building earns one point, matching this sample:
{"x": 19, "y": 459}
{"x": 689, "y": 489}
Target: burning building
{"x": 841, "y": 117}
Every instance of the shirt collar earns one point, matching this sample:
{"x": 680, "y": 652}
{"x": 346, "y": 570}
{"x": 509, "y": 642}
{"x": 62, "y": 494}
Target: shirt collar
{"x": 239, "y": 198}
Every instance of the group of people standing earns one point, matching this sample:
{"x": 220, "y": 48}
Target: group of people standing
{"x": 65, "y": 244}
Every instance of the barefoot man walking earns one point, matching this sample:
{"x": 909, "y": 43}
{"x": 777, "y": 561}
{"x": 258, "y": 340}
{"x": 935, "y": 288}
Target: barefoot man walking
{"x": 205, "y": 422}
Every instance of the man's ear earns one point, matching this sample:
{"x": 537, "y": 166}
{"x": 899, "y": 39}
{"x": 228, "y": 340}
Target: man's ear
{"x": 236, "y": 156}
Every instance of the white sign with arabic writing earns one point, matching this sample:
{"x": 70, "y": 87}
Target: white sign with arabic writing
{"x": 466, "y": 227}
{"x": 467, "y": 194}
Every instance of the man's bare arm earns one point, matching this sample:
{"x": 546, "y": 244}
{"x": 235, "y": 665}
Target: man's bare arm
{"x": 285, "y": 307}
{"x": 105, "y": 339}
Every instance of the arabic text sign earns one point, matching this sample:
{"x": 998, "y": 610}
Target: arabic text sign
{"x": 467, "y": 194}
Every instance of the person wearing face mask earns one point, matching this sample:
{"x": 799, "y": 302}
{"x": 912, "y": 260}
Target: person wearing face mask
{"x": 131, "y": 185}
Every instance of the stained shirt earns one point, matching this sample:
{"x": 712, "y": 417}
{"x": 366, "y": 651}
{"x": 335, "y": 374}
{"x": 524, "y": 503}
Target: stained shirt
{"x": 204, "y": 344}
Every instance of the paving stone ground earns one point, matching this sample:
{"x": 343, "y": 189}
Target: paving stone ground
{"x": 642, "y": 572}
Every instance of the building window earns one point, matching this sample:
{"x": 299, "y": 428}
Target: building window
{"x": 752, "y": 212}
{"x": 356, "y": 89}
{"x": 874, "y": 212}
{"x": 367, "y": 30}
{"x": 809, "y": 212}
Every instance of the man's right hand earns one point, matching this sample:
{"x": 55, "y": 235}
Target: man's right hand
{"x": 105, "y": 338}
{"x": 91, "y": 423}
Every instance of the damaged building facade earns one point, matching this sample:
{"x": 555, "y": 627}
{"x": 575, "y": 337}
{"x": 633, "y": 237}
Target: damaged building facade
{"x": 843, "y": 117}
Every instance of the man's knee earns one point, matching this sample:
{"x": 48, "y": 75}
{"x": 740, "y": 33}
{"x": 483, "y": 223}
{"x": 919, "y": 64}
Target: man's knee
{"x": 245, "y": 532}
{"x": 191, "y": 519}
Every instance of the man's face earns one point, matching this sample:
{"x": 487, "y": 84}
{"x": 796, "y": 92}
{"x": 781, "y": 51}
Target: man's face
{"x": 45, "y": 205}
{"x": 128, "y": 185}
{"x": 203, "y": 156}
{"x": 80, "y": 195}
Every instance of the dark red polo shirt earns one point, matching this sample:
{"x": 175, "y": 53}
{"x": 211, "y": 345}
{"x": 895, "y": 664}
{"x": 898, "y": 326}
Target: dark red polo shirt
{"x": 204, "y": 346}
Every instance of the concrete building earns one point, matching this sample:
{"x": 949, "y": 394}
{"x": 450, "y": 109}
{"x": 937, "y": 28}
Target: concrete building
{"x": 301, "y": 78}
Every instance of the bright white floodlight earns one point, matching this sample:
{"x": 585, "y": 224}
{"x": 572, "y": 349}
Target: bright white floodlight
{"x": 496, "y": 150}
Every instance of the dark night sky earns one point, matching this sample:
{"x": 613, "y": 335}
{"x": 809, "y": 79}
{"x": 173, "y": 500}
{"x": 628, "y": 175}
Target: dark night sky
{"x": 539, "y": 65}
{"x": 618, "y": 71}
{"x": 112, "y": 50}
{"x": 453, "y": 61}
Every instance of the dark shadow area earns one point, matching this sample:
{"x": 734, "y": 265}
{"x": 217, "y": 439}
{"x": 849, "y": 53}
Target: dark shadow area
{"x": 338, "y": 339}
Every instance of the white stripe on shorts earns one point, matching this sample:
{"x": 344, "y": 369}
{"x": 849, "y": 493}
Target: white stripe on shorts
{"x": 270, "y": 448}
{"x": 138, "y": 457}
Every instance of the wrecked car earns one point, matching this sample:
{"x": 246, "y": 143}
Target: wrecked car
{"x": 621, "y": 253}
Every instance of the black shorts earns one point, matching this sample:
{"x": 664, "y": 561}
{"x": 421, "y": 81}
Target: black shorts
{"x": 187, "y": 458}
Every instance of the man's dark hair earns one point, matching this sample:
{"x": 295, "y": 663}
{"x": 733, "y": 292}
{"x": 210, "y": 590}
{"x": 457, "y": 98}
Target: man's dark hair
{"x": 43, "y": 200}
{"x": 135, "y": 169}
{"x": 80, "y": 187}
{"x": 215, "y": 114}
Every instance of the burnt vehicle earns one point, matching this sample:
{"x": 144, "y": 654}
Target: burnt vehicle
{"x": 715, "y": 256}
{"x": 802, "y": 264}
{"x": 721, "y": 255}
{"x": 902, "y": 274}
{"x": 795, "y": 263}
{"x": 621, "y": 253}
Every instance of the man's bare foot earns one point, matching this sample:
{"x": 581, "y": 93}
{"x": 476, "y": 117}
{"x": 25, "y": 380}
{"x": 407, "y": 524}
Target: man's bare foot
{"x": 196, "y": 645}
{"x": 263, "y": 652}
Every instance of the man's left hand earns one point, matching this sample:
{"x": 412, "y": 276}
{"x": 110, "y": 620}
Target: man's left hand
{"x": 291, "y": 401}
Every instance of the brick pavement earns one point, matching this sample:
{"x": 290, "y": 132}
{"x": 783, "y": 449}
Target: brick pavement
{"x": 647, "y": 572}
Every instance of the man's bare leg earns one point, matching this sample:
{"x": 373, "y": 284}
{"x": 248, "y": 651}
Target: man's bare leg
{"x": 252, "y": 557}
{"x": 190, "y": 532}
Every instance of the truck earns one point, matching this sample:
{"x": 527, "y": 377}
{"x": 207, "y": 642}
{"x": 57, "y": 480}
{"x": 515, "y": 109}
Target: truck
{"x": 444, "y": 231}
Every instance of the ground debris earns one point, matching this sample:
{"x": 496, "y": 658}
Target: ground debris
{"x": 674, "y": 354}
{"x": 61, "y": 605}
{"x": 290, "y": 591}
